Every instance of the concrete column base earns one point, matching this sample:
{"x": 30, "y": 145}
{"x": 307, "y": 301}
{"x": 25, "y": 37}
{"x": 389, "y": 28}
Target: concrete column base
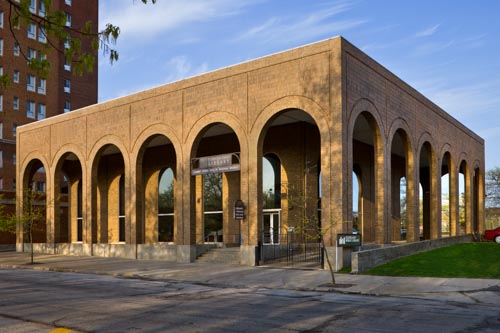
{"x": 186, "y": 253}
{"x": 248, "y": 255}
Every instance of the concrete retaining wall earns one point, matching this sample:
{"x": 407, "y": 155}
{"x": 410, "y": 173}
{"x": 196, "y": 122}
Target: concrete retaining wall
{"x": 364, "y": 260}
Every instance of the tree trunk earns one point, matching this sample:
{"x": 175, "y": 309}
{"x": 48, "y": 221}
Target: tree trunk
{"x": 332, "y": 273}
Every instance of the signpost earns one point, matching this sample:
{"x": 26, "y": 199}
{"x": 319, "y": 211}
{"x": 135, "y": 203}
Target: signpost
{"x": 239, "y": 210}
{"x": 215, "y": 164}
{"x": 345, "y": 240}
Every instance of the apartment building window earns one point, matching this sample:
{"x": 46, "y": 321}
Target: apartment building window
{"x": 30, "y": 83}
{"x": 32, "y": 31}
{"x": 33, "y": 6}
{"x": 40, "y": 186}
{"x": 68, "y": 20}
{"x": 41, "y": 8}
{"x": 41, "y": 111}
{"x": 14, "y": 158}
{"x": 30, "y": 109}
{"x": 1, "y": 46}
{"x": 1, "y": 102}
{"x": 16, "y": 76}
{"x": 15, "y": 103}
{"x": 42, "y": 84}
{"x": 14, "y": 184}
{"x": 67, "y": 65}
{"x": 1, "y": 19}
{"x": 42, "y": 37}
{"x": 16, "y": 49}
{"x": 67, "y": 107}
{"x": 1, "y": 159}
{"x": 67, "y": 86}
{"x": 67, "y": 43}
{"x": 68, "y": 2}
{"x": 14, "y": 130}
{"x": 1, "y": 184}
{"x": 1, "y": 130}
{"x": 1, "y": 70}
{"x": 31, "y": 53}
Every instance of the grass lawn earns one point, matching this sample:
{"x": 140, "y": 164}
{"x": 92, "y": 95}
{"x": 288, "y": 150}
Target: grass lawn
{"x": 470, "y": 260}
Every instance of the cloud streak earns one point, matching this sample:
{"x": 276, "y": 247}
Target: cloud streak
{"x": 295, "y": 28}
{"x": 428, "y": 32}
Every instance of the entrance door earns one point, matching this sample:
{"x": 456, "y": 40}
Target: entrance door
{"x": 271, "y": 227}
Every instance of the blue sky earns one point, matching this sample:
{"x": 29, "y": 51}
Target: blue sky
{"x": 447, "y": 50}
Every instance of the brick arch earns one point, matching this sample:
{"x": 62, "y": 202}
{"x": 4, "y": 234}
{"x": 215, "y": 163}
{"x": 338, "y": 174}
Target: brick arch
{"x": 140, "y": 184}
{"x": 108, "y": 140}
{"x": 380, "y": 213}
{"x": 68, "y": 149}
{"x": 156, "y": 129}
{"x": 401, "y": 124}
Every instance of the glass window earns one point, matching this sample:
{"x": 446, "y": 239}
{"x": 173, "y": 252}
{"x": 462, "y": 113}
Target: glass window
{"x": 14, "y": 130}
{"x": 16, "y": 49}
{"x": 15, "y": 103}
{"x": 1, "y": 159}
{"x": 121, "y": 210}
{"x": 14, "y": 158}
{"x": 30, "y": 84}
{"x": 1, "y": 46}
{"x": 68, "y": 2}
{"x": 30, "y": 109}
{"x": 40, "y": 186}
{"x": 166, "y": 206}
{"x": 212, "y": 207}
{"x": 31, "y": 31}
{"x": 41, "y": 111}
{"x": 41, "y": 8}
{"x": 1, "y": 19}
{"x": 1, "y": 70}
{"x": 31, "y": 54}
{"x": 1, "y": 102}
{"x": 33, "y": 6}
{"x": 67, "y": 65}
{"x": 14, "y": 184}
{"x": 42, "y": 37}
{"x": 67, "y": 107}
{"x": 41, "y": 86}
{"x": 67, "y": 86}
{"x": 1, "y": 184}
{"x": 16, "y": 76}
{"x": 1, "y": 130}
{"x": 79, "y": 214}
{"x": 68, "y": 20}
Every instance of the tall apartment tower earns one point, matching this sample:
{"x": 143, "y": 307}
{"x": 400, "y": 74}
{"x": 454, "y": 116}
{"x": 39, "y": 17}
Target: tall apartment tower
{"x": 31, "y": 98}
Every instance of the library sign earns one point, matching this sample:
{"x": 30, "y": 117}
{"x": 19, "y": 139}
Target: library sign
{"x": 215, "y": 164}
{"x": 348, "y": 240}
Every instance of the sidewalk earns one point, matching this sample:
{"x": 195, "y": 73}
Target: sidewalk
{"x": 251, "y": 277}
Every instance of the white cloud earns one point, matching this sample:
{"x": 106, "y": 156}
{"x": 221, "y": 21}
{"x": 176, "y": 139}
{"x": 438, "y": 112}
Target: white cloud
{"x": 179, "y": 68}
{"x": 139, "y": 21}
{"x": 301, "y": 28}
{"x": 428, "y": 31}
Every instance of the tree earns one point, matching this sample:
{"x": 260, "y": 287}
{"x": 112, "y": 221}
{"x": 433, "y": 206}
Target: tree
{"x": 34, "y": 211}
{"x": 310, "y": 226}
{"x": 493, "y": 187}
{"x": 53, "y": 25}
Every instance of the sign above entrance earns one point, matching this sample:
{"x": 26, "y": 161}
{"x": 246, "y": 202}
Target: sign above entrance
{"x": 348, "y": 240}
{"x": 215, "y": 164}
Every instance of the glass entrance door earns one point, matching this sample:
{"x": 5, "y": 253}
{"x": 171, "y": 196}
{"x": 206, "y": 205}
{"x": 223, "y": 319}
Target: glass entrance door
{"x": 271, "y": 227}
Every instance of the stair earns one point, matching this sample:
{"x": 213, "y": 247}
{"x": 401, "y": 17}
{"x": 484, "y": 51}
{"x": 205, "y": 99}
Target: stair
{"x": 225, "y": 255}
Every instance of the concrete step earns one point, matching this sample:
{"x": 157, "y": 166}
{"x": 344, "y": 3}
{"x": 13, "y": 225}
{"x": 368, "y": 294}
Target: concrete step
{"x": 229, "y": 255}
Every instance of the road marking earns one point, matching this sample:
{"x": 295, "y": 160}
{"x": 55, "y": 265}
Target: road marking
{"x": 60, "y": 330}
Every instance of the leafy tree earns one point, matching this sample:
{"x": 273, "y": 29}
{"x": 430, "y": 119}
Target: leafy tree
{"x": 493, "y": 187}
{"x": 52, "y": 23}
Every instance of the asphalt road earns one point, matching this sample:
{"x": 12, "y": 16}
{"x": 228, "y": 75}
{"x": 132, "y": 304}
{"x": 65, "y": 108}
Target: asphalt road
{"x": 40, "y": 301}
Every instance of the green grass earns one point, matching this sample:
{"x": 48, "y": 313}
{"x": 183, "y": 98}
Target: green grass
{"x": 470, "y": 260}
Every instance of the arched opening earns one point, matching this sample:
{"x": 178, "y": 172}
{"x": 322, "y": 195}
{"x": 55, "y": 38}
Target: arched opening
{"x": 216, "y": 186}
{"x": 109, "y": 199}
{"x": 156, "y": 184}
{"x": 476, "y": 201}
{"x": 34, "y": 211}
{"x": 463, "y": 198}
{"x": 427, "y": 192}
{"x": 365, "y": 155}
{"x": 357, "y": 206}
{"x": 399, "y": 172}
{"x": 68, "y": 200}
{"x": 271, "y": 206}
{"x": 298, "y": 172}
{"x": 445, "y": 195}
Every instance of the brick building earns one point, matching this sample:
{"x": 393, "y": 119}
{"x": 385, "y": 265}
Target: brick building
{"x": 158, "y": 174}
{"x": 30, "y": 98}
